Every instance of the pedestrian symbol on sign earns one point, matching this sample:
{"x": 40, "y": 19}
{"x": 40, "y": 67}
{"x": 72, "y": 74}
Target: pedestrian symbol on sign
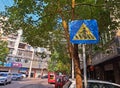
{"x": 84, "y": 33}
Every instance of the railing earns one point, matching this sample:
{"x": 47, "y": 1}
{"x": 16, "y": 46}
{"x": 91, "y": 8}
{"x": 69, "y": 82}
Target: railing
{"x": 108, "y": 53}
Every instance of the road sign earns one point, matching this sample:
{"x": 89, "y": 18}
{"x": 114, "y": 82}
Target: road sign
{"x": 84, "y": 32}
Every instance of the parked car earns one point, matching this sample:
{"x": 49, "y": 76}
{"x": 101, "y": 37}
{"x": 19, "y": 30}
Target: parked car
{"x": 60, "y": 81}
{"x": 5, "y": 78}
{"x": 16, "y": 76}
{"x": 23, "y": 75}
{"x": 51, "y": 77}
{"x": 97, "y": 84}
{"x": 44, "y": 77}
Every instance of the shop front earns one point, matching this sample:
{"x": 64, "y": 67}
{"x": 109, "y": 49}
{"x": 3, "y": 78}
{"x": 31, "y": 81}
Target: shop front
{"x": 108, "y": 70}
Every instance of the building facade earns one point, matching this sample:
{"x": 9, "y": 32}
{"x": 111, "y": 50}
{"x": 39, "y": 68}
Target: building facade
{"x": 20, "y": 57}
{"x": 106, "y": 63}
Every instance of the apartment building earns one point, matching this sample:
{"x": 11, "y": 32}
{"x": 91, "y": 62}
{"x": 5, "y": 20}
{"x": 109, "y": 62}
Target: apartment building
{"x": 20, "y": 57}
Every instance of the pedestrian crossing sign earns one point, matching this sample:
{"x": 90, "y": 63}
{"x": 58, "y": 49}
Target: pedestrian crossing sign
{"x": 84, "y": 32}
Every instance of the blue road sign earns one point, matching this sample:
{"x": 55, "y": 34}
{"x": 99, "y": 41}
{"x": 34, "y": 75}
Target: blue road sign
{"x": 84, "y": 32}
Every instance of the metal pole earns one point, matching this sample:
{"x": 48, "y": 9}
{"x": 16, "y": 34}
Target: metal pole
{"x": 84, "y": 64}
{"x": 29, "y": 75}
{"x": 72, "y": 69}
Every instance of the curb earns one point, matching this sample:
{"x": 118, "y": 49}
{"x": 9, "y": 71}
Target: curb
{"x": 67, "y": 84}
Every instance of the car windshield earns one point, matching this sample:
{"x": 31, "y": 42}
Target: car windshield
{"x": 100, "y": 85}
{"x": 14, "y": 74}
{"x": 3, "y": 74}
{"x": 51, "y": 76}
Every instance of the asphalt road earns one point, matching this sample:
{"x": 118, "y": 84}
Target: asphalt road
{"x": 29, "y": 83}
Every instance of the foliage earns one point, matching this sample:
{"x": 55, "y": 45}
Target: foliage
{"x": 58, "y": 63}
{"x": 38, "y": 18}
{"x": 59, "y": 57}
{"x": 3, "y": 50}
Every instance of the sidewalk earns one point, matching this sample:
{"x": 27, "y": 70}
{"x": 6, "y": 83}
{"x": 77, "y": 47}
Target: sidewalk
{"x": 73, "y": 84}
{"x": 67, "y": 84}
{"x": 26, "y": 79}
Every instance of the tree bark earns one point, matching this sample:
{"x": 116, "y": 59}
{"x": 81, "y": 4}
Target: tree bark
{"x": 77, "y": 67}
{"x": 78, "y": 74}
{"x": 73, "y": 52}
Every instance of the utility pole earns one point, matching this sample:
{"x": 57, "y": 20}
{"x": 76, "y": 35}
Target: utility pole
{"x": 16, "y": 45}
{"x": 17, "y": 42}
{"x": 30, "y": 68}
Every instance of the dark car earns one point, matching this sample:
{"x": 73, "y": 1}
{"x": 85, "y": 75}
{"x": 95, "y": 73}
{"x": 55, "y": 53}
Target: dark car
{"x": 97, "y": 84}
{"x": 44, "y": 77}
{"x": 101, "y": 84}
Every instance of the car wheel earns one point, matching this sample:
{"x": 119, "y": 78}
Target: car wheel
{"x": 5, "y": 83}
{"x": 10, "y": 82}
{"x": 16, "y": 79}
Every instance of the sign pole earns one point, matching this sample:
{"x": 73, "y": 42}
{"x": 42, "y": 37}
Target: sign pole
{"x": 84, "y": 32}
{"x": 84, "y": 64}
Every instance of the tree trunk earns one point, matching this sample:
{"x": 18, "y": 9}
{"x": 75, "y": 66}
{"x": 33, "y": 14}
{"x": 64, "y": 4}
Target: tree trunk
{"x": 73, "y": 52}
{"x": 78, "y": 74}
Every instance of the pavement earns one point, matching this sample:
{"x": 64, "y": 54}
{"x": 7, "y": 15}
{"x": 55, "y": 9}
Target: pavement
{"x": 67, "y": 85}
{"x": 73, "y": 84}
{"x": 37, "y": 83}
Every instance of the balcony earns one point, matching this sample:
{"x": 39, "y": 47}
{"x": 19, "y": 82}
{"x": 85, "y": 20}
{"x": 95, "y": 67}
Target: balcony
{"x": 13, "y": 36}
{"x": 34, "y": 65}
{"x": 111, "y": 51}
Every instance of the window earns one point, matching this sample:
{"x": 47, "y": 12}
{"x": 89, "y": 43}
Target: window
{"x": 26, "y": 61}
{"x": 11, "y": 43}
{"x": 21, "y": 45}
{"x": 106, "y": 86}
{"x": 11, "y": 51}
{"x": 18, "y": 60}
{"x": 19, "y": 52}
{"x": 93, "y": 85}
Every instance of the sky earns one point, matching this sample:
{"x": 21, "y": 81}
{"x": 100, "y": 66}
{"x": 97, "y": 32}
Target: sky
{"x": 4, "y": 3}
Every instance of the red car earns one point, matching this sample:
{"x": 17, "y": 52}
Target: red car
{"x": 59, "y": 82}
{"x": 51, "y": 77}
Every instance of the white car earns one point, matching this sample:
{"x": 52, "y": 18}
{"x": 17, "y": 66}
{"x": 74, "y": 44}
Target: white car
{"x": 16, "y": 76}
{"x": 23, "y": 75}
{"x": 5, "y": 78}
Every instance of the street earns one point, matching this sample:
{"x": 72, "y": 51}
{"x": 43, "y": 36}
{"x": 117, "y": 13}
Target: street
{"x": 29, "y": 83}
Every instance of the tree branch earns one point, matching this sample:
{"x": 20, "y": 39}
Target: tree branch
{"x": 87, "y": 4}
